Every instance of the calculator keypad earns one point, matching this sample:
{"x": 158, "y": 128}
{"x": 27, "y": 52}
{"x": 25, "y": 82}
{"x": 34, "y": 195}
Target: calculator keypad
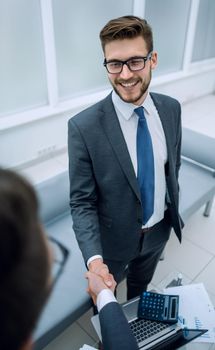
{"x": 155, "y": 306}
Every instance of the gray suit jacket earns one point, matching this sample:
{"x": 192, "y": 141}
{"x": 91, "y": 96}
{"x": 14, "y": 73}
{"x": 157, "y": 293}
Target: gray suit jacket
{"x": 104, "y": 193}
{"x": 116, "y": 333}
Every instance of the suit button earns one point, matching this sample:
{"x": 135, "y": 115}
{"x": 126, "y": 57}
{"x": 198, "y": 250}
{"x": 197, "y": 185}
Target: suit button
{"x": 139, "y": 221}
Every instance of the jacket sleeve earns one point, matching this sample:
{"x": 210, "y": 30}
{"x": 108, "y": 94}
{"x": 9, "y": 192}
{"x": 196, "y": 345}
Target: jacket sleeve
{"x": 115, "y": 330}
{"x": 83, "y": 194}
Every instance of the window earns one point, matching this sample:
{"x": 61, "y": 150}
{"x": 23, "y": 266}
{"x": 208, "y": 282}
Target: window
{"x": 22, "y": 62}
{"x": 169, "y": 21}
{"x": 51, "y": 52}
{"x": 79, "y": 55}
{"x": 204, "y": 47}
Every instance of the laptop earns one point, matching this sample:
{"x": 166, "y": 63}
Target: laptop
{"x": 153, "y": 335}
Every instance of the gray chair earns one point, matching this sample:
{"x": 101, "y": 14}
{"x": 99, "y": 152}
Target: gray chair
{"x": 197, "y": 174}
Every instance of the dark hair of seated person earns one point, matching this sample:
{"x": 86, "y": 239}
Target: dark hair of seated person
{"x": 24, "y": 261}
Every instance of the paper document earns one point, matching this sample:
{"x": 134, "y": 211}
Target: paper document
{"x": 195, "y": 309}
{"x": 87, "y": 347}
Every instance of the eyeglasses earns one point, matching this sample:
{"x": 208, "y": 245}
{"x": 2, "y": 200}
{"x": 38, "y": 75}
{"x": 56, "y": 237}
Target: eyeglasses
{"x": 134, "y": 64}
{"x": 60, "y": 254}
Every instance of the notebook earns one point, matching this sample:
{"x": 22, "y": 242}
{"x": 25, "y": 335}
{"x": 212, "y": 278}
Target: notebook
{"x": 153, "y": 335}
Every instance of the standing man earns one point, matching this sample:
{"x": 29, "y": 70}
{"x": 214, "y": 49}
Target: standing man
{"x": 124, "y": 159}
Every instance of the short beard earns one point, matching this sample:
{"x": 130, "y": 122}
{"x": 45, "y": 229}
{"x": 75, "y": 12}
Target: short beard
{"x": 143, "y": 90}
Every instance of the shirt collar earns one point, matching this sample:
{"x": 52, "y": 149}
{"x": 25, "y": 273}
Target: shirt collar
{"x": 126, "y": 109}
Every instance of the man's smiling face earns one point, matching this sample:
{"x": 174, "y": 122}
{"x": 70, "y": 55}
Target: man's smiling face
{"x": 131, "y": 86}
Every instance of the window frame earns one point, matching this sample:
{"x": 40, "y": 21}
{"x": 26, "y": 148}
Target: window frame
{"x": 56, "y": 106}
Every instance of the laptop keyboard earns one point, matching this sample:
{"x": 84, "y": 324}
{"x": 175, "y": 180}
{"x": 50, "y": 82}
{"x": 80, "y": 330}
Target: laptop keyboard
{"x": 143, "y": 329}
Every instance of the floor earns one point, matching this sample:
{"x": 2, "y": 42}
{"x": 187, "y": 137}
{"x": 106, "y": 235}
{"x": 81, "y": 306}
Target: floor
{"x": 194, "y": 258}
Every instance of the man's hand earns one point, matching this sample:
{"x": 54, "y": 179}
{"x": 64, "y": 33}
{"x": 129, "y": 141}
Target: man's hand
{"x": 96, "y": 284}
{"x": 98, "y": 267}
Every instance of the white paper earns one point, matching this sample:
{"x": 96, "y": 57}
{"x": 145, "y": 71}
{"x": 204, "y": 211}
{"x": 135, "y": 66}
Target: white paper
{"x": 195, "y": 309}
{"x": 87, "y": 347}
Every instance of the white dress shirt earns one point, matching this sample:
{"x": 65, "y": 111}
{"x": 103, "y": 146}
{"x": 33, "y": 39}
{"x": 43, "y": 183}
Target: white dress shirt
{"x": 128, "y": 120}
{"x": 104, "y": 297}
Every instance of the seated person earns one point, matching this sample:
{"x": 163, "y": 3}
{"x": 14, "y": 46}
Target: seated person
{"x": 24, "y": 262}
{"x": 25, "y": 273}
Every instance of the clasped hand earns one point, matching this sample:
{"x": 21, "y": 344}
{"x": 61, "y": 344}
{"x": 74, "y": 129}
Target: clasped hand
{"x": 99, "y": 278}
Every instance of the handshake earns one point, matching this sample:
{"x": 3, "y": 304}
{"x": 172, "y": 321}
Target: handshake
{"x": 99, "y": 278}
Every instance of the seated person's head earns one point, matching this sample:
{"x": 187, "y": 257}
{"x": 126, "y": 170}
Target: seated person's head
{"x": 24, "y": 262}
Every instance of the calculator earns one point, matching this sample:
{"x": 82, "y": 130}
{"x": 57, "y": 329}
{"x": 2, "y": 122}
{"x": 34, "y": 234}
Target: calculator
{"x": 158, "y": 307}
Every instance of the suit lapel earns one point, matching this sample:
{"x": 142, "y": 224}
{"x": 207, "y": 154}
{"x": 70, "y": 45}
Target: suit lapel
{"x": 112, "y": 129}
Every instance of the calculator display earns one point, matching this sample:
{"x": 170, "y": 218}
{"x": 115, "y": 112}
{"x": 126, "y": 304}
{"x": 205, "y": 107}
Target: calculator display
{"x": 158, "y": 307}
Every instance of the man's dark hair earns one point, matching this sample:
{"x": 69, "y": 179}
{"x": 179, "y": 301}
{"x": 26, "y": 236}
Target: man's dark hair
{"x": 127, "y": 27}
{"x": 24, "y": 261}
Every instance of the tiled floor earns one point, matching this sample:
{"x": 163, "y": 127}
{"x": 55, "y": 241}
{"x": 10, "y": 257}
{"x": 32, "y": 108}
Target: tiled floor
{"x": 194, "y": 258}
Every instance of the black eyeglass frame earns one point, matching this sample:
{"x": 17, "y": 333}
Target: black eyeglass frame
{"x": 144, "y": 58}
{"x": 65, "y": 255}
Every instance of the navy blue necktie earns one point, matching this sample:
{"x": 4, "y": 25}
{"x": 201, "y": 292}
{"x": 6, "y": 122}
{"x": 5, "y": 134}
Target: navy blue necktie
{"x": 145, "y": 165}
